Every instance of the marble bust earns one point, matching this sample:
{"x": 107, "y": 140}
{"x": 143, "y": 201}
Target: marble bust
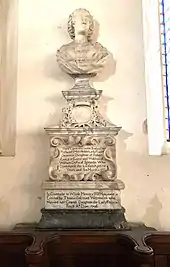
{"x": 82, "y": 55}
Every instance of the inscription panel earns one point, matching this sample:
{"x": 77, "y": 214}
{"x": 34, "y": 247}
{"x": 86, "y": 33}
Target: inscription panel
{"x": 82, "y": 159}
{"x": 82, "y": 199}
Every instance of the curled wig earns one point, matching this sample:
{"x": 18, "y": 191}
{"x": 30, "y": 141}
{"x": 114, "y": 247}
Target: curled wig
{"x": 70, "y": 28}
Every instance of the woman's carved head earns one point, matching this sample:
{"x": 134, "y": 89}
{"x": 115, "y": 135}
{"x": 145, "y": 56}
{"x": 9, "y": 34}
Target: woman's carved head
{"x": 83, "y": 17}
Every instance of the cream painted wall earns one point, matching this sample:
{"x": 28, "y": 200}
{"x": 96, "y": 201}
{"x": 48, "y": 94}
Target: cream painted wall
{"x": 42, "y": 29}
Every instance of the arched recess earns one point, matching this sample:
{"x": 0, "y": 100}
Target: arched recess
{"x": 8, "y": 75}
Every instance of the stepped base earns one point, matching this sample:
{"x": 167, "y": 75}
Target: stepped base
{"x": 83, "y": 219}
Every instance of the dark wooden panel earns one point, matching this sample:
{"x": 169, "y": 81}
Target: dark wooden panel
{"x": 161, "y": 261}
{"x": 90, "y": 250}
{"x": 32, "y": 248}
{"x": 12, "y": 250}
{"x": 160, "y": 243}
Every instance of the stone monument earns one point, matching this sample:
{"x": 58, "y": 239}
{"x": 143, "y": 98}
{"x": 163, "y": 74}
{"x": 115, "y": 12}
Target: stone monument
{"x": 82, "y": 190}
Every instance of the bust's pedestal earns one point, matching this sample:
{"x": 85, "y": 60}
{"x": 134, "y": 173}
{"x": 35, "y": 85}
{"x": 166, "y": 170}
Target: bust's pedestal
{"x": 82, "y": 190}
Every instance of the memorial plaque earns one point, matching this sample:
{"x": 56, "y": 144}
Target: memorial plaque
{"x": 82, "y": 199}
{"x": 82, "y": 159}
{"x": 82, "y": 189}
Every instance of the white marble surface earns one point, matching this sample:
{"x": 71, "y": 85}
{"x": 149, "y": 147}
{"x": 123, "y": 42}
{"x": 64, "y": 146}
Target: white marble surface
{"x": 50, "y": 185}
{"x": 82, "y": 199}
{"x": 81, "y": 56}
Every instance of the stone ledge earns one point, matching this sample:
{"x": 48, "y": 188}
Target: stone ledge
{"x": 96, "y": 185}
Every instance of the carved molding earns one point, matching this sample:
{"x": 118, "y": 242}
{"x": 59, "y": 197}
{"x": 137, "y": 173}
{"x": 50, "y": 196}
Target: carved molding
{"x": 107, "y": 170}
{"x": 95, "y": 120}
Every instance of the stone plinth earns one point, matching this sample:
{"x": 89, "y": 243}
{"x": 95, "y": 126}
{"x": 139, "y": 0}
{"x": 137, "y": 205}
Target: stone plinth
{"x": 82, "y": 181}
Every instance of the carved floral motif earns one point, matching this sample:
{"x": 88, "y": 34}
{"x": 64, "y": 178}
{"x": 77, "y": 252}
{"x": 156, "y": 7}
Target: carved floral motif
{"x": 96, "y": 119}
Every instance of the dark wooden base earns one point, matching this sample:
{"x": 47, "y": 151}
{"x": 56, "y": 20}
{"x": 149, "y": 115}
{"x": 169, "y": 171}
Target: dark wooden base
{"x": 27, "y": 246}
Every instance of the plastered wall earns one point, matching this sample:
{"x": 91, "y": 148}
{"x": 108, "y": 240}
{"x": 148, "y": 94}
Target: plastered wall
{"x": 42, "y": 30}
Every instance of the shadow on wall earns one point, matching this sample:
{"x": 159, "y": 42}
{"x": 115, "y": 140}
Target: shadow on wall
{"x": 152, "y": 212}
{"x": 110, "y": 67}
{"x": 103, "y": 105}
{"x": 109, "y": 70}
{"x": 34, "y": 173}
{"x": 59, "y": 103}
{"x": 136, "y": 171}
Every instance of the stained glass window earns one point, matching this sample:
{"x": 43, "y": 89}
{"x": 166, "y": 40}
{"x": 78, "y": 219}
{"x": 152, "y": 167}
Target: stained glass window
{"x": 165, "y": 52}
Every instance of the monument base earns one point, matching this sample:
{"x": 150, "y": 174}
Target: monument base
{"x": 83, "y": 219}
